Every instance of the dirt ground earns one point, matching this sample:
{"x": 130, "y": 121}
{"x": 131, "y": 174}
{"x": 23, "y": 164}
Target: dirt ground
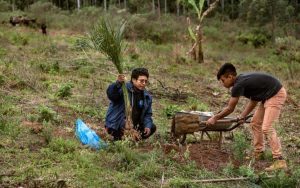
{"x": 206, "y": 154}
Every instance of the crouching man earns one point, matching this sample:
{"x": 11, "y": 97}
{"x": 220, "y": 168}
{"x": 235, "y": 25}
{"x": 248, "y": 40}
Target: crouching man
{"x": 269, "y": 94}
{"x": 140, "y": 101}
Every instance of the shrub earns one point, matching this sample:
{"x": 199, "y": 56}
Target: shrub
{"x": 195, "y": 104}
{"x": 49, "y": 67}
{"x": 46, "y": 114}
{"x": 282, "y": 180}
{"x": 288, "y": 49}
{"x": 63, "y": 145}
{"x": 9, "y": 126}
{"x": 77, "y": 64}
{"x": 4, "y": 6}
{"x": 47, "y": 132}
{"x": 2, "y": 80}
{"x": 256, "y": 37}
{"x": 148, "y": 27}
{"x": 39, "y": 9}
{"x": 256, "y": 40}
{"x": 42, "y": 7}
{"x": 126, "y": 158}
{"x": 239, "y": 146}
{"x": 170, "y": 110}
{"x": 19, "y": 39}
{"x": 2, "y": 52}
{"x": 9, "y": 123}
{"x": 65, "y": 90}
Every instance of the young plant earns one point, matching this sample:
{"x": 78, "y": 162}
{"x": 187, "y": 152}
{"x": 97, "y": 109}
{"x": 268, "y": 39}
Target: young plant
{"x": 109, "y": 41}
{"x": 198, "y": 34}
{"x": 65, "y": 91}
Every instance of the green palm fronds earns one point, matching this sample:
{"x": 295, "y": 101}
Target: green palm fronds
{"x": 108, "y": 41}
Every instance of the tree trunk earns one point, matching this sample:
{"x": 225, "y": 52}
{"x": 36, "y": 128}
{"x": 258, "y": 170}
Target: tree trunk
{"x": 78, "y": 4}
{"x": 273, "y": 23}
{"x": 153, "y": 6}
{"x": 166, "y": 7}
{"x": 177, "y": 7}
{"x": 105, "y": 5}
{"x": 13, "y": 5}
{"x": 67, "y": 4}
{"x": 232, "y": 9}
{"x": 208, "y": 2}
{"x": 125, "y": 4}
{"x": 223, "y": 6}
{"x": 199, "y": 38}
{"x": 158, "y": 8}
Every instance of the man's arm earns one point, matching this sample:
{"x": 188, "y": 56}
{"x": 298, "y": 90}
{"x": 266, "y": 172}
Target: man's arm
{"x": 114, "y": 91}
{"x": 225, "y": 112}
{"x": 250, "y": 106}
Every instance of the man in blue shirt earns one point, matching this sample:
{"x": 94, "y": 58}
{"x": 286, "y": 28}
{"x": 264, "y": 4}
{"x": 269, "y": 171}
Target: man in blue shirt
{"x": 140, "y": 101}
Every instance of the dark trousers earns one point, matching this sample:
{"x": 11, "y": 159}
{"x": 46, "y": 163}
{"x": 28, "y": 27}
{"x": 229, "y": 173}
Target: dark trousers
{"x": 117, "y": 134}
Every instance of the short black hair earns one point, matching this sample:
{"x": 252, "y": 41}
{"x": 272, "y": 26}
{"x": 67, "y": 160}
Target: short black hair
{"x": 226, "y": 69}
{"x": 139, "y": 72}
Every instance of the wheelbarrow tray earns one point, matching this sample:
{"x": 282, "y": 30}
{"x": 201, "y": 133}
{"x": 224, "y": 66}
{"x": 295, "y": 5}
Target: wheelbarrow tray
{"x": 193, "y": 121}
{"x": 184, "y": 123}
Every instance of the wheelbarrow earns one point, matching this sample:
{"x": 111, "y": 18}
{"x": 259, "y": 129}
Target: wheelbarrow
{"x": 184, "y": 123}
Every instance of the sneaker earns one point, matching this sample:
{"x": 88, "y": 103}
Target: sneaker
{"x": 277, "y": 165}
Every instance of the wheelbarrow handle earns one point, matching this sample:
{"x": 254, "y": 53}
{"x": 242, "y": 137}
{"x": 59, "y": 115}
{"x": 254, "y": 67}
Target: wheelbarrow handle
{"x": 236, "y": 120}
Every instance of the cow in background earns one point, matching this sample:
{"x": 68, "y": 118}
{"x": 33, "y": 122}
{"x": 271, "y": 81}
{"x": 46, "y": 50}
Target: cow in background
{"x": 22, "y": 20}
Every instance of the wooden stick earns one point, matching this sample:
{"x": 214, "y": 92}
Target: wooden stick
{"x": 222, "y": 180}
{"x": 225, "y": 179}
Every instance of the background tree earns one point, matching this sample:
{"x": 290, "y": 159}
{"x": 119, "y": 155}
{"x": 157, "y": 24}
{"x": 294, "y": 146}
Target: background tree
{"x": 197, "y": 34}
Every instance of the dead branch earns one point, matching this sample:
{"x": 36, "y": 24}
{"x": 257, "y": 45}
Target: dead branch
{"x": 223, "y": 180}
{"x": 211, "y": 8}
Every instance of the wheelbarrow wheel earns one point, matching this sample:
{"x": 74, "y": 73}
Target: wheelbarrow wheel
{"x": 182, "y": 139}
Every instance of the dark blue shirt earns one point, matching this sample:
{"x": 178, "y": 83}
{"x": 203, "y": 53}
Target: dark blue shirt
{"x": 115, "y": 116}
{"x": 256, "y": 86}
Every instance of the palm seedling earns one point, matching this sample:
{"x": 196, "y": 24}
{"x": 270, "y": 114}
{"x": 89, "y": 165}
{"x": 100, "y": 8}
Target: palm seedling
{"x": 109, "y": 41}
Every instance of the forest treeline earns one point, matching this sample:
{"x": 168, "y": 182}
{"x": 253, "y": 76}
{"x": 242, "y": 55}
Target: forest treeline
{"x": 254, "y": 11}
{"x": 278, "y": 17}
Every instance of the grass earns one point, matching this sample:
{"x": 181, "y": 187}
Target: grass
{"x": 53, "y": 82}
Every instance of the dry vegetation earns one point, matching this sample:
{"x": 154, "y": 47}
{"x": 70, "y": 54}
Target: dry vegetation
{"x": 47, "y": 82}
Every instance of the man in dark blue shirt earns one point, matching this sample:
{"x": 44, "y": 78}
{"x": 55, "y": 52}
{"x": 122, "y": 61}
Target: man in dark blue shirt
{"x": 140, "y": 101}
{"x": 262, "y": 89}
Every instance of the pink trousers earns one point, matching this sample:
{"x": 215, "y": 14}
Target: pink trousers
{"x": 263, "y": 121}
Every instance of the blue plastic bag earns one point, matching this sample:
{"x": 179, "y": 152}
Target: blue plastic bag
{"x": 88, "y": 136}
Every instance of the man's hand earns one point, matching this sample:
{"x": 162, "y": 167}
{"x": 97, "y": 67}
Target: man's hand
{"x": 211, "y": 121}
{"x": 147, "y": 131}
{"x": 121, "y": 78}
{"x": 241, "y": 120}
